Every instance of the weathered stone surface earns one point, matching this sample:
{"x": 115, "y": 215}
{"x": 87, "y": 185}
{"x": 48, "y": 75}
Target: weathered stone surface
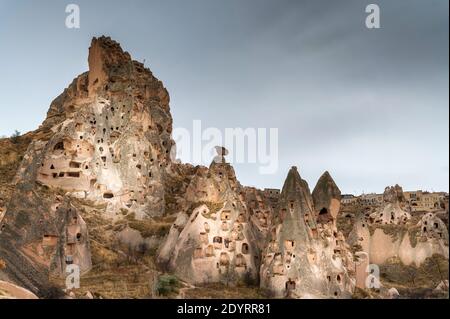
{"x": 212, "y": 239}
{"x": 305, "y": 259}
{"x": 96, "y": 182}
{"x": 106, "y": 140}
{"x": 327, "y": 199}
{"x": 391, "y": 232}
{"x": 11, "y": 291}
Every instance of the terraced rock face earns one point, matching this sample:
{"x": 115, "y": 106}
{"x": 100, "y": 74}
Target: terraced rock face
{"x": 106, "y": 140}
{"x": 306, "y": 257}
{"x": 213, "y": 239}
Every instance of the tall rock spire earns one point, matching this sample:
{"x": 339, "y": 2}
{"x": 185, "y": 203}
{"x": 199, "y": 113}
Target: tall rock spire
{"x": 304, "y": 259}
{"x": 106, "y": 139}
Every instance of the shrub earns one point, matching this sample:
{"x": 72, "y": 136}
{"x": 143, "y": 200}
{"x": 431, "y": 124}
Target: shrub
{"x": 15, "y": 137}
{"x": 167, "y": 284}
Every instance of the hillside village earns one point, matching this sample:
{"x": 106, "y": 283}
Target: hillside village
{"x": 95, "y": 186}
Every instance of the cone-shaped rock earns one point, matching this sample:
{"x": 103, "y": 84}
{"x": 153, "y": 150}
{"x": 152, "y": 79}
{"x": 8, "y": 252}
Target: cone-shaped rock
{"x": 327, "y": 199}
{"x": 304, "y": 259}
{"x": 213, "y": 239}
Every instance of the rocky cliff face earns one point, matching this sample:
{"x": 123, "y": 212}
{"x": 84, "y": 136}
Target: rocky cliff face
{"x": 306, "y": 256}
{"x": 392, "y": 232}
{"x": 95, "y": 186}
{"x": 213, "y": 238}
{"x": 111, "y": 138}
{"x": 391, "y": 212}
{"x": 106, "y": 140}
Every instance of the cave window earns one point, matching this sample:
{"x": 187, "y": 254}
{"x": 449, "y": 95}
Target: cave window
{"x": 59, "y": 146}
{"x": 210, "y": 251}
{"x": 338, "y": 278}
{"x": 292, "y": 205}
{"x": 78, "y": 236}
{"x": 139, "y": 166}
{"x": 104, "y": 159}
{"x": 290, "y": 285}
{"x": 323, "y": 211}
{"x": 224, "y": 259}
{"x": 55, "y": 175}
{"x": 74, "y": 174}
{"x": 244, "y": 248}
{"x": 74, "y": 165}
{"x": 226, "y": 215}
{"x": 52, "y": 167}
{"x": 217, "y": 239}
{"x": 61, "y": 174}
{"x": 240, "y": 261}
{"x": 69, "y": 260}
{"x": 289, "y": 244}
{"x": 424, "y": 229}
{"x": 108, "y": 195}
{"x": 198, "y": 253}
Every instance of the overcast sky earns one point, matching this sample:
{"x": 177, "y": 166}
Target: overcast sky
{"x": 370, "y": 106}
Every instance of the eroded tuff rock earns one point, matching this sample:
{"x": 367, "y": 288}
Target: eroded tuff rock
{"x": 306, "y": 258}
{"x": 106, "y": 140}
{"x": 102, "y": 158}
{"x": 11, "y": 291}
{"x": 213, "y": 239}
{"x": 392, "y": 232}
{"x": 327, "y": 199}
{"x": 391, "y": 212}
{"x": 111, "y": 137}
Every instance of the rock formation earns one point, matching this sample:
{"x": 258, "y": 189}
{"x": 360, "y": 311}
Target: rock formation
{"x": 96, "y": 181}
{"x": 212, "y": 239}
{"x": 391, "y": 212}
{"x": 111, "y": 136}
{"x": 106, "y": 140}
{"x": 306, "y": 257}
{"x": 11, "y": 291}
{"x": 327, "y": 199}
{"x": 392, "y": 232}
